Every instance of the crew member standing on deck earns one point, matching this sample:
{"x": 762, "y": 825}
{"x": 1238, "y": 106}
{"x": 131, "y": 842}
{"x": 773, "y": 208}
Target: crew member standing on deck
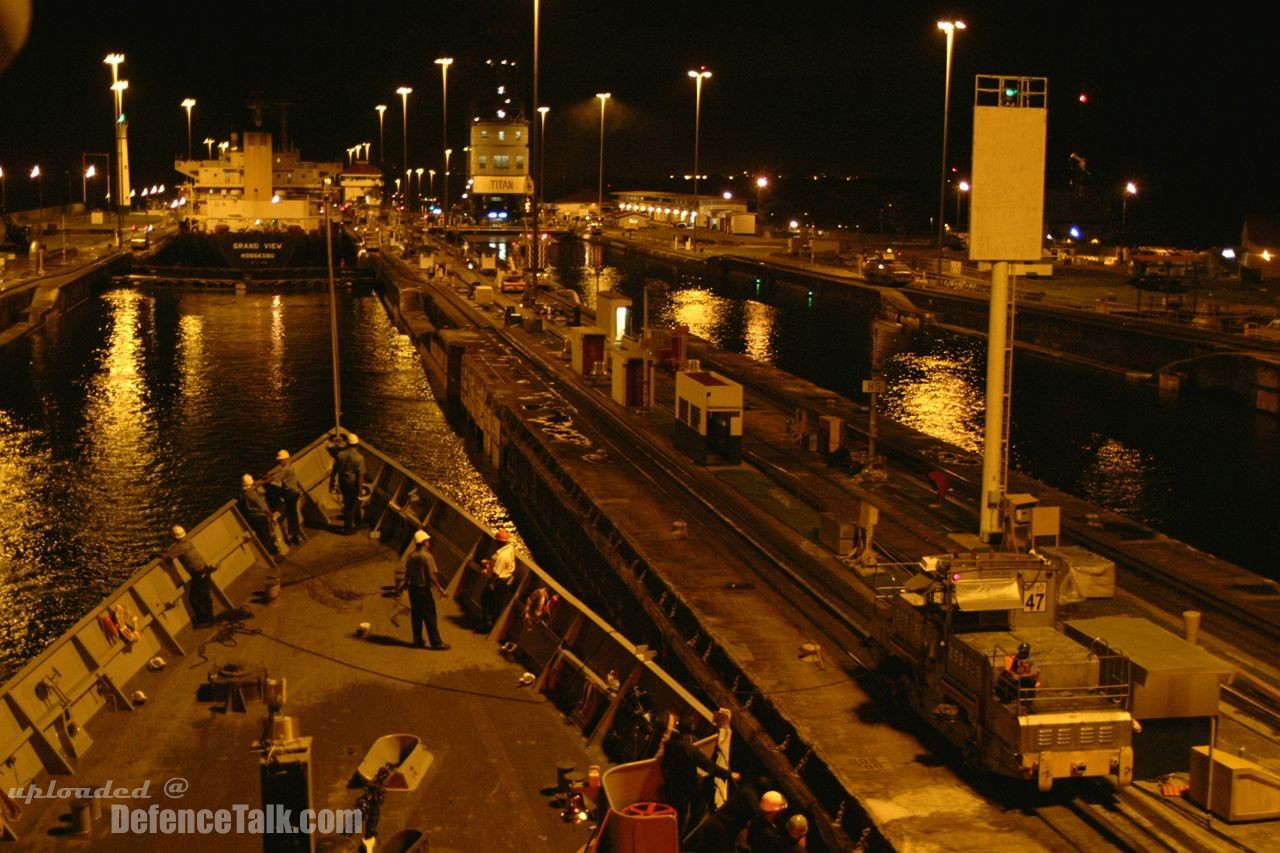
{"x": 501, "y": 569}
{"x": 420, "y": 575}
{"x": 348, "y": 475}
{"x": 200, "y": 588}
{"x": 680, "y": 761}
{"x": 253, "y": 506}
{"x": 290, "y": 491}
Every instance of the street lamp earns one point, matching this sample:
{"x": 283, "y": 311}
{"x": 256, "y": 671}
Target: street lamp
{"x": 382, "y": 148}
{"x": 84, "y": 184}
{"x": 961, "y": 189}
{"x": 404, "y": 92}
{"x": 698, "y": 76}
{"x": 444, "y": 181}
{"x": 431, "y": 183}
{"x": 1130, "y": 188}
{"x": 187, "y": 104}
{"x": 604, "y": 97}
{"x": 39, "y": 179}
{"x": 948, "y": 27}
{"x": 761, "y": 183}
{"x": 542, "y": 148}
{"x": 418, "y": 171}
{"x": 444, "y": 62}
{"x": 208, "y": 144}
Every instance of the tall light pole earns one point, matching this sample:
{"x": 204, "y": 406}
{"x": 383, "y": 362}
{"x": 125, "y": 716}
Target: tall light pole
{"x": 208, "y": 144}
{"x": 542, "y": 149}
{"x": 84, "y": 184}
{"x": 187, "y": 104}
{"x": 948, "y": 27}
{"x": 38, "y": 177}
{"x": 1130, "y": 188}
{"x": 418, "y": 171}
{"x": 698, "y": 76}
{"x": 604, "y": 98}
{"x": 444, "y": 62}
{"x": 382, "y": 148}
{"x": 530, "y": 296}
{"x": 404, "y": 92}
{"x": 961, "y": 189}
{"x": 761, "y": 183}
{"x": 444, "y": 180}
{"x": 431, "y": 183}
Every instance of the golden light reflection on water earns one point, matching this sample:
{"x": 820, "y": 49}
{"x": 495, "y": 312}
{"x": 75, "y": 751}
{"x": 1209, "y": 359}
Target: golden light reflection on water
{"x": 759, "y": 326}
{"x": 191, "y": 359}
{"x": 938, "y": 395}
{"x": 701, "y": 310}
{"x": 275, "y": 373}
{"x": 1119, "y": 476}
{"x": 118, "y": 424}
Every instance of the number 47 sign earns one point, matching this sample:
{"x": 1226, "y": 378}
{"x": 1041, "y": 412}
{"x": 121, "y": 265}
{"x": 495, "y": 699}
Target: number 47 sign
{"x": 1033, "y": 597}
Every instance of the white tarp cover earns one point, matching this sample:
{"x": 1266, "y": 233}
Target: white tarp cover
{"x": 999, "y": 594}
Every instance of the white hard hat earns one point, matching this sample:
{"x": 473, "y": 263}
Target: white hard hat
{"x": 246, "y": 480}
{"x": 772, "y": 801}
{"x": 179, "y": 532}
{"x": 421, "y": 536}
{"x": 282, "y": 455}
{"x": 352, "y": 438}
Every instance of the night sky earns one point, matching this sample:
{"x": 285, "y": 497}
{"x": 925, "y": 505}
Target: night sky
{"x": 1181, "y": 104}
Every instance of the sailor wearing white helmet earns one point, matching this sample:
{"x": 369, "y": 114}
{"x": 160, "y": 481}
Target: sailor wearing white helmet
{"x": 420, "y": 574}
{"x": 253, "y": 506}
{"x": 283, "y": 482}
{"x": 200, "y": 587}
{"x": 347, "y": 475}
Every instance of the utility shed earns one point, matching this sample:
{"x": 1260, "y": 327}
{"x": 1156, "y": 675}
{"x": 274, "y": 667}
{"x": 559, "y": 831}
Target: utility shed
{"x": 709, "y": 414}
{"x": 1175, "y": 688}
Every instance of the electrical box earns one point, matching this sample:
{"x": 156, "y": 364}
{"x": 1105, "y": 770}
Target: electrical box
{"x": 830, "y": 433}
{"x": 612, "y": 312}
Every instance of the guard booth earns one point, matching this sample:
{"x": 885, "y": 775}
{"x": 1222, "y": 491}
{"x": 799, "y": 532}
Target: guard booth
{"x": 708, "y": 415}
{"x": 613, "y": 310}
{"x": 631, "y": 375}
{"x": 586, "y": 348}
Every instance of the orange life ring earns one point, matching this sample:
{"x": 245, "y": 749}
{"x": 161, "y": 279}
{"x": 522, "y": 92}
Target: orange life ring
{"x": 127, "y": 621}
{"x": 648, "y": 810}
{"x": 535, "y": 606}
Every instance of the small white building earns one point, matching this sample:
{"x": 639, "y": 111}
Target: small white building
{"x": 708, "y": 412}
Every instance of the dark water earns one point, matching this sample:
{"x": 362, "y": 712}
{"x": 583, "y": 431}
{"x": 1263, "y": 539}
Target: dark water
{"x": 142, "y": 410}
{"x": 1204, "y": 471}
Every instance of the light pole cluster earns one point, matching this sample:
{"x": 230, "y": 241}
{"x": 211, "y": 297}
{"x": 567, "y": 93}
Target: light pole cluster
{"x": 122, "y": 193}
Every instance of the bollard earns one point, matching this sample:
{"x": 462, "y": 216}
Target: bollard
{"x": 81, "y": 816}
{"x": 1191, "y": 625}
{"x": 563, "y": 769}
